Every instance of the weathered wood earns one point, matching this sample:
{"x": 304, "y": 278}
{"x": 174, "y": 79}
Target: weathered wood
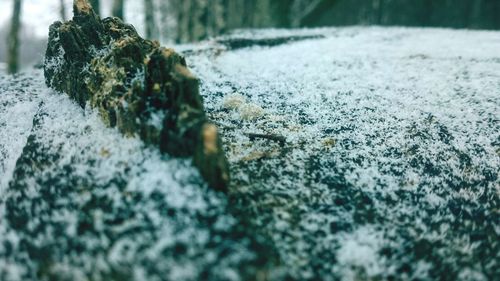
{"x": 136, "y": 85}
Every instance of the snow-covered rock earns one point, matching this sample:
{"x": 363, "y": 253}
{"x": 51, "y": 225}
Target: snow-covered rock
{"x": 389, "y": 171}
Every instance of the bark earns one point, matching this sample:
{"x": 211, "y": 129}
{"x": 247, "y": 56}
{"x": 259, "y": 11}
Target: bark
{"x": 118, "y": 8}
{"x": 13, "y": 40}
{"x": 136, "y": 85}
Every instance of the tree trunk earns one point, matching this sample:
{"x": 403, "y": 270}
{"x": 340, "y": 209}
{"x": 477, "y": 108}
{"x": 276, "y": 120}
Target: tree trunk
{"x": 249, "y": 10}
{"x": 62, "y": 10}
{"x": 96, "y": 6}
{"x": 197, "y": 28}
{"x": 183, "y": 8}
{"x": 13, "y": 40}
{"x": 379, "y": 6}
{"x": 166, "y": 28}
{"x": 214, "y": 18}
{"x": 300, "y": 9}
{"x": 475, "y": 14}
{"x": 118, "y": 9}
{"x": 262, "y": 14}
{"x": 149, "y": 18}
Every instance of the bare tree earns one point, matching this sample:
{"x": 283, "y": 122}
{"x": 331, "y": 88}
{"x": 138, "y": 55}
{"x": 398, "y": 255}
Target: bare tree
{"x": 475, "y": 13}
{"x": 233, "y": 16}
{"x": 199, "y": 19}
{"x": 62, "y": 9}
{"x": 167, "y": 21}
{"x": 149, "y": 18}
{"x": 262, "y": 14}
{"x": 214, "y": 17}
{"x": 95, "y": 5}
{"x": 118, "y": 8}
{"x": 300, "y": 9}
{"x": 13, "y": 39}
{"x": 182, "y": 18}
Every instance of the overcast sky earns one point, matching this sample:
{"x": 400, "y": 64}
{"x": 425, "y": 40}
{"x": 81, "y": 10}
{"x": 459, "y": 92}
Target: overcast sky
{"x": 37, "y": 15}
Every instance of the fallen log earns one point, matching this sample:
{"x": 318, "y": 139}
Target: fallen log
{"x": 136, "y": 85}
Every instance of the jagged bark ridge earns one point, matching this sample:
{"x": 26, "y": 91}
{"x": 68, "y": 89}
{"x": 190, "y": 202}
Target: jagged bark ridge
{"x": 136, "y": 85}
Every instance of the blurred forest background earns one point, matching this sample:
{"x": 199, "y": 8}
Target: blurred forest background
{"x": 183, "y": 21}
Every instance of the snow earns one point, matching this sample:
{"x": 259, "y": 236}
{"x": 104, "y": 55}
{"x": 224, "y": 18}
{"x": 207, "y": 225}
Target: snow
{"x": 390, "y": 129}
{"x": 359, "y": 251}
{"x": 95, "y": 204}
{"x": 390, "y": 169}
{"x": 17, "y": 111}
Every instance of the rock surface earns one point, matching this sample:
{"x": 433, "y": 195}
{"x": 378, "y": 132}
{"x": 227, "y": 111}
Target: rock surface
{"x": 388, "y": 169}
{"x": 137, "y": 86}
